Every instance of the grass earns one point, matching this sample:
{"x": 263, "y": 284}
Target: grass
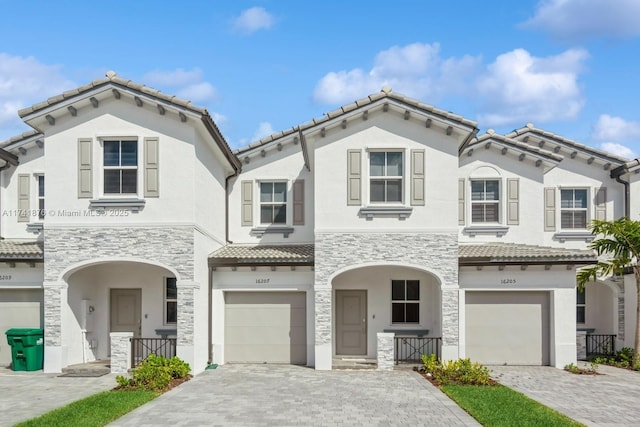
{"x": 502, "y": 406}
{"x": 96, "y": 410}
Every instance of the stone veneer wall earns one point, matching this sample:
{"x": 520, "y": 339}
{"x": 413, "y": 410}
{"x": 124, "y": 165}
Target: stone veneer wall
{"x": 65, "y": 246}
{"x": 437, "y": 252}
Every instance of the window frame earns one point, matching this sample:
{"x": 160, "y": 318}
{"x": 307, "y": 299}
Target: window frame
{"x": 484, "y": 201}
{"x": 581, "y": 306}
{"x": 405, "y": 301}
{"x": 40, "y": 198}
{"x": 574, "y": 209}
{"x": 166, "y": 301}
{"x": 402, "y": 177}
{"x": 103, "y": 168}
{"x": 272, "y": 203}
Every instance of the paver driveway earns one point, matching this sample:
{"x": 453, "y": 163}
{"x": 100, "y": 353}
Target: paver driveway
{"x": 611, "y": 399}
{"x": 282, "y": 395}
{"x": 24, "y": 395}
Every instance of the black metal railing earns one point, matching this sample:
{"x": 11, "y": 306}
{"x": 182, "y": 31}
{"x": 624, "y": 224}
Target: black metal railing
{"x": 143, "y": 347}
{"x": 601, "y": 345}
{"x": 411, "y": 349}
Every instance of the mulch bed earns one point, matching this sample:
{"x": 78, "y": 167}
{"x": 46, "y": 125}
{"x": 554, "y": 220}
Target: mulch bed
{"x": 174, "y": 383}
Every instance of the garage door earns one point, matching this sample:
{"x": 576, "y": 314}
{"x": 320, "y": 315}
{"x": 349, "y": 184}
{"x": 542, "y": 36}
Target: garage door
{"x": 507, "y": 327}
{"x": 265, "y": 327}
{"x": 18, "y": 309}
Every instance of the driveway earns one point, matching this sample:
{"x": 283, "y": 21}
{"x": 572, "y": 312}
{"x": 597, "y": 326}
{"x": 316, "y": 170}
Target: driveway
{"x": 281, "y": 395}
{"x": 610, "y": 399}
{"x": 25, "y": 395}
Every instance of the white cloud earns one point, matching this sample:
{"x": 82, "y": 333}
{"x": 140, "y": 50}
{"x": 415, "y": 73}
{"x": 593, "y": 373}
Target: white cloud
{"x": 615, "y": 129}
{"x": 252, "y": 20}
{"x": 518, "y": 87}
{"x": 187, "y": 84}
{"x": 618, "y": 150}
{"x": 574, "y": 20}
{"x": 264, "y": 129}
{"x": 416, "y": 70}
{"x": 25, "y": 81}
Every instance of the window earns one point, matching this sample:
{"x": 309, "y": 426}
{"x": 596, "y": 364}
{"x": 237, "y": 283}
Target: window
{"x": 405, "y": 301}
{"x": 120, "y": 167}
{"x": 485, "y": 200}
{"x": 580, "y": 305}
{"x": 273, "y": 202}
{"x": 573, "y": 208}
{"x": 385, "y": 170}
{"x": 40, "y": 196}
{"x": 170, "y": 301}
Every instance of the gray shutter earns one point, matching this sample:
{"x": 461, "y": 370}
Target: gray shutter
{"x": 513, "y": 201}
{"x": 354, "y": 179}
{"x": 85, "y": 168}
{"x": 247, "y": 203}
{"x": 151, "y": 167}
{"x": 550, "y": 209}
{"x": 24, "y": 182}
{"x": 417, "y": 178}
{"x": 298, "y": 202}
{"x": 601, "y": 204}
{"x": 461, "y": 187}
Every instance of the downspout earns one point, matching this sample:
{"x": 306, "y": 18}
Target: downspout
{"x": 617, "y": 173}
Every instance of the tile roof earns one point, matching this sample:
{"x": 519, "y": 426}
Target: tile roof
{"x": 387, "y": 93}
{"x": 531, "y": 129}
{"x": 11, "y": 249}
{"x": 502, "y": 253}
{"x": 501, "y": 139}
{"x": 262, "y": 254}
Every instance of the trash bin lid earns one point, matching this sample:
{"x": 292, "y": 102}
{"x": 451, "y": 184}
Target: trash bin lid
{"x": 21, "y": 332}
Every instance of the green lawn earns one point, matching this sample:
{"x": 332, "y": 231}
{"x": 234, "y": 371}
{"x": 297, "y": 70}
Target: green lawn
{"x": 96, "y": 410}
{"x": 502, "y": 406}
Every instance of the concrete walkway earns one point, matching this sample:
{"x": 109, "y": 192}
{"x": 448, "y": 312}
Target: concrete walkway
{"x": 282, "y": 395}
{"x": 611, "y": 399}
{"x": 25, "y": 395}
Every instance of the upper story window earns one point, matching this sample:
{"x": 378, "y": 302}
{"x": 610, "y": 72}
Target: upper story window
{"x": 581, "y": 305}
{"x": 386, "y": 176}
{"x": 120, "y": 166}
{"x": 405, "y": 301}
{"x": 573, "y": 208}
{"x": 40, "y": 196}
{"x": 273, "y": 202}
{"x": 485, "y": 200}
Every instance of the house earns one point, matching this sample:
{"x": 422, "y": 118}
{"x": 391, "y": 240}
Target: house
{"x": 387, "y": 217}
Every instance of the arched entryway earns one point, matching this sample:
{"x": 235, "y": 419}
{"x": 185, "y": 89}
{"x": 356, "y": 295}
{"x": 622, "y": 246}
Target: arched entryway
{"x": 107, "y": 296}
{"x": 370, "y": 299}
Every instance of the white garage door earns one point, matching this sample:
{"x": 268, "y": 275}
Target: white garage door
{"x": 19, "y": 308}
{"x": 507, "y": 327}
{"x": 265, "y": 327}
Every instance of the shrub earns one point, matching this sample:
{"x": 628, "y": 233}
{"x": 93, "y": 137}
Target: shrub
{"x": 574, "y": 369}
{"x": 461, "y": 371}
{"x": 155, "y": 373}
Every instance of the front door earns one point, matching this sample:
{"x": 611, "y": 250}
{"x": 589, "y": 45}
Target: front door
{"x": 125, "y": 311}
{"x": 351, "y": 323}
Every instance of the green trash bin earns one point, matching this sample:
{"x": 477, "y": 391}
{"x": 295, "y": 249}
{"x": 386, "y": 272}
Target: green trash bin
{"x": 27, "y": 348}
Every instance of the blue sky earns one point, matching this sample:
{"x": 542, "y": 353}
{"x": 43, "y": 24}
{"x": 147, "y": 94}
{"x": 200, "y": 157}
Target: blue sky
{"x": 568, "y": 66}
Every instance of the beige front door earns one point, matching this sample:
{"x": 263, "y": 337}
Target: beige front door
{"x": 351, "y": 323}
{"x": 125, "y": 311}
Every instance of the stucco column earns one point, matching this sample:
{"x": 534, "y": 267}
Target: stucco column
{"x": 323, "y": 350}
{"x": 55, "y": 298}
{"x": 187, "y": 290}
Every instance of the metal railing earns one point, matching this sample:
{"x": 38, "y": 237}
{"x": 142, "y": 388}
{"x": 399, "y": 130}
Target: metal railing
{"x": 143, "y": 347}
{"x": 601, "y": 345}
{"x": 411, "y": 349}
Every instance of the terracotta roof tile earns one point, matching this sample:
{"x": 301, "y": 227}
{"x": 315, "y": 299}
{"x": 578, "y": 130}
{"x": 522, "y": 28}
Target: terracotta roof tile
{"x": 21, "y": 249}
{"x": 517, "y": 253}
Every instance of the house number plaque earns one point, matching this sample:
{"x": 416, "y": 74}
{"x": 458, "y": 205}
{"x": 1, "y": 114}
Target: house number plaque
{"x": 262, "y": 281}
{"x": 507, "y": 281}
